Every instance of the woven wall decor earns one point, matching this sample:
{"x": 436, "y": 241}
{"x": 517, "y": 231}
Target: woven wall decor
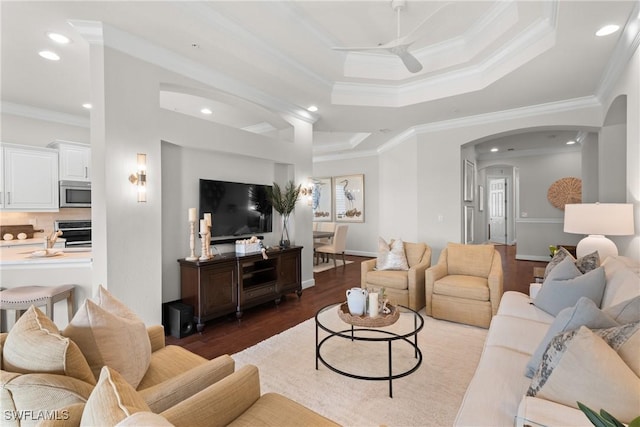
{"x": 565, "y": 190}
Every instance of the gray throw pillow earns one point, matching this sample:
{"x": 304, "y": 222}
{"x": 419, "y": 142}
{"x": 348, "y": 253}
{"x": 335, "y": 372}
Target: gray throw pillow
{"x": 588, "y": 262}
{"x": 584, "y": 313}
{"x": 564, "y": 286}
{"x": 626, "y": 312}
{"x": 558, "y": 257}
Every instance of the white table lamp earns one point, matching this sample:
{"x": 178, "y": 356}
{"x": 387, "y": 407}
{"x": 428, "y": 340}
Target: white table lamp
{"x": 598, "y": 220}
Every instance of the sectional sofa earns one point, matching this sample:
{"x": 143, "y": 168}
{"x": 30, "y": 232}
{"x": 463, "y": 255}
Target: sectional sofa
{"x": 574, "y": 367}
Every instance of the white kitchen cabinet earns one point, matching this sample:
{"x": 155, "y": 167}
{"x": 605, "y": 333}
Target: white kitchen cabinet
{"x": 74, "y": 160}
{"x": 29, "y": 178}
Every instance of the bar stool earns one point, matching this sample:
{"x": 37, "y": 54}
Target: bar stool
{"x": 23, "y": 297}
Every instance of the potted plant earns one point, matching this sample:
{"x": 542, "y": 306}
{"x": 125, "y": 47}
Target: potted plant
{"x": 284, "y": 202}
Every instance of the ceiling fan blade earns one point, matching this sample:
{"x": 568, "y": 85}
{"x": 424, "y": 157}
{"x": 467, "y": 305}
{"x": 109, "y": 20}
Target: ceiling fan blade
{"x": 410, "y": 61}
{"x": 413, "y": 35}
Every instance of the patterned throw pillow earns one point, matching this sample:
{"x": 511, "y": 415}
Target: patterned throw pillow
{"x": 579, "y": 366}
{"x": 391, "y": 257}
{"x": 625, "y": 340}
{"x": 585, "y": 264}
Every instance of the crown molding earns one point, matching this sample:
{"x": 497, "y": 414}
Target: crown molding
{"x": 350, "y": 144}
{"x": 499, "y": 116}
{"x": 44, "y": 114}
{"x": 146, "y": 51}
{"x": 344, "y": 156}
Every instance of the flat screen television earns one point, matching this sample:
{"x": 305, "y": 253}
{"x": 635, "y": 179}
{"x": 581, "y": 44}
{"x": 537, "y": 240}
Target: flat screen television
{"x": 238, "y": 209}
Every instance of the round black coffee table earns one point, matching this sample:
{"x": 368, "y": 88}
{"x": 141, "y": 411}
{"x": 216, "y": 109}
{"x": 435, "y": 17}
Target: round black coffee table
{"x": 404, "y": 331}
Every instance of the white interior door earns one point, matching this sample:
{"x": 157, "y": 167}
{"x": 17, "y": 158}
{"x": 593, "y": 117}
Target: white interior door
{"x": 497, "y": 210}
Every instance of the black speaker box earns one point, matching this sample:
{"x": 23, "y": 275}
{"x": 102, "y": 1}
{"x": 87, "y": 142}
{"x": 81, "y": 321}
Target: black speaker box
{"x": 180, "y": 319}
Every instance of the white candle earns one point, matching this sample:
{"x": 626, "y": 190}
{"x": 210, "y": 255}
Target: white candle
{"x": 373, "y": 304}
{"x": 207, "y": 218}
{"x": 192, "y": 214}
{"x": 203, "y": 226}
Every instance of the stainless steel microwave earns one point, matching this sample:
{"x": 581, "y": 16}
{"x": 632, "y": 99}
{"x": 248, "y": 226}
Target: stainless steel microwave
{"x": 75, "y": 194}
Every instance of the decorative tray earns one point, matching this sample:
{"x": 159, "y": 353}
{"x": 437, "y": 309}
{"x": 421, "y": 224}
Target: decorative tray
{"x": 365, "y": 320}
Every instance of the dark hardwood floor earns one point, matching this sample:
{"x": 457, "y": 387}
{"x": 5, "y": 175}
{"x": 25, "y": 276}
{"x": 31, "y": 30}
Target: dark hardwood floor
{"x": 227, "y": 335}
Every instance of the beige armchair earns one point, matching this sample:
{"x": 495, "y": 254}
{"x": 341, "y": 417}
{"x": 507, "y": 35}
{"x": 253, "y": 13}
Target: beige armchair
{"x": 466, "y": 284}
{"x": 404, "y": 287}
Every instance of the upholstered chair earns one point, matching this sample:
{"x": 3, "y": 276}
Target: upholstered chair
{"x": 404, "y": 287}
{"x": 466, "y": 284}
{"x": 337, "y": 246}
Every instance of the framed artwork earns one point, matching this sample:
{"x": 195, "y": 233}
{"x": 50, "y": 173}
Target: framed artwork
{"x": 321, "y": 199}
{"x": 348, "y": 198}
{"x": 469, "y": 178}
{"x": 468, "y": 224}
{"x": 480, "y": 198}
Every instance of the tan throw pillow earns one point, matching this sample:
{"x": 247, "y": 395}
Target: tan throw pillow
{"x": 391, "y": 256}
{"x": 111, "y": 401}
{"x": 34, "y": 346}
{"x": 579, "y": 366}
{"x": 625, "y": 340}
{"x": 116, "y": 339}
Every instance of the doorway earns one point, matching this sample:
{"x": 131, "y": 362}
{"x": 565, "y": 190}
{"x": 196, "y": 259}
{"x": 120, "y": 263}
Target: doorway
{"x": 498, "y": 209}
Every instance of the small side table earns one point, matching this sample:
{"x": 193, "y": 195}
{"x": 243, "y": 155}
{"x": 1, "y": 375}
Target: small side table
{"x": 538, "y": 274}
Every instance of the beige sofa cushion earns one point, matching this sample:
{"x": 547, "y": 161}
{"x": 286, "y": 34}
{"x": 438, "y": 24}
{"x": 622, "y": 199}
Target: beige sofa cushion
{"x": 117, "y": 338}
{"x": 469, "y": 260}
{"x": 34, "y": 346}
{"x": 414, "y": 252}
{"x": 389, "y": 279}
{"x": 144, "y": 419}
{"x": 468, "y": 287}
{"x": 111, "y": 401}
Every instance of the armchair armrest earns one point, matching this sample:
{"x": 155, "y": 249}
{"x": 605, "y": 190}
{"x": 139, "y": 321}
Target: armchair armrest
{"x": 172, "y": 391}
{"x": 220, "y": 403}
{"x": 365, "y": 267}
{"x": 416, "y": 282}
{"x": 156, "y": 336}
{"x": 431, "y": 275}
{"x": 496, "y": 282}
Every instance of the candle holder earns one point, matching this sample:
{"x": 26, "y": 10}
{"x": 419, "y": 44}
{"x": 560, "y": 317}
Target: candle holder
{"x": 192, "y": 241}
{"x": 203, "y": 238}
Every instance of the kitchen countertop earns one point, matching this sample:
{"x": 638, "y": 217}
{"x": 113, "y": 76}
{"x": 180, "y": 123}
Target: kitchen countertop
{"x": 33, "y": 241}
{"x": 20, "y": 257}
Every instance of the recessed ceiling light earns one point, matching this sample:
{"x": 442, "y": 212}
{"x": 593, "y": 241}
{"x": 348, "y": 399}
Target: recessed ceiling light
{"x": 607, "y": 29}
{"x": 571, "y": 142}
{"x": 47, "y": 54}
{"x": 87, "y": 106}
{"x": 58, "y": 38}
{"x": 206, "y": 111}
{"x": 494, "y": 149}
{"x": 312, "y": 108}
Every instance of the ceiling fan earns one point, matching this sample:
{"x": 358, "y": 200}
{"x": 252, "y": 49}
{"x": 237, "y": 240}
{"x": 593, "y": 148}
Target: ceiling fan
{"x": 400, "y": 46}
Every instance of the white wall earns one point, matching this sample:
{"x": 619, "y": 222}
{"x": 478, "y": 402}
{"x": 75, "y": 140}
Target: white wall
{"x": 629, "y": 85}
{"x": 27, "y": 131}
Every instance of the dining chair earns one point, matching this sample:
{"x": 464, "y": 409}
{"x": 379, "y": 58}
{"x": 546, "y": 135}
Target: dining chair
{"x": 337, "y": 245}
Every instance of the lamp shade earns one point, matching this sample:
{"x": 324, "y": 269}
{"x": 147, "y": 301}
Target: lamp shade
{"x": 612, "y": 219}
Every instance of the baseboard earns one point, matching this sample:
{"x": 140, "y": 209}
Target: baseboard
{"x": 533, "y": 258}
{"x": 362, "y": 253}
{"x": 308, "y": 283}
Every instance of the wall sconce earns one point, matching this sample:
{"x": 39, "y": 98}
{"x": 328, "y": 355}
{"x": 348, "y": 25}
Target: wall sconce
{"x": 140, "y": 178}
{"x": 307, "y": 191}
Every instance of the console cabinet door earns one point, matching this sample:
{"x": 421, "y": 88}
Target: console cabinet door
{"x": 218, "y": 292}
{"x": 289, "y": 275}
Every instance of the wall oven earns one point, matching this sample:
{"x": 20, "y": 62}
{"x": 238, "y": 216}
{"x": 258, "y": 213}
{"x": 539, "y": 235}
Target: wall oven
{"x": 75, "y": 194}
{"x": 77, "y": 233}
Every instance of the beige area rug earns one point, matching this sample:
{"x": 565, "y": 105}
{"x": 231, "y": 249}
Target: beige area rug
{"x": 324, "y": 266}
{"x": 430, "y": 396}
